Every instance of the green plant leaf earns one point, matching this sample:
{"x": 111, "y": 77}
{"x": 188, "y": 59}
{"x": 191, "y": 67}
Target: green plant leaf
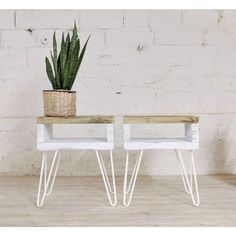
{"x": 54, "y": 59}
{"x": 73, "y": 62}
{"x": 73, "y": 50}
{"x": 67, "y": 44}
{"x": 63, "y": 56}
{"x": 54, "y": 45}
{"x": 59, "y": 69}
{"x": 75, "y": 28}
{"x": 65, "y": 75}
{"x": 66, "y": 63}
{"x": 73, "y": 41}
{"x": 79, "y": 63}
{"x": 54, "y": 62}
{"x": 50, "y": 73}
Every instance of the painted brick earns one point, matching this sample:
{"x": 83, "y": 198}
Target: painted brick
{"x": 17, "y": 38}
{"x": 99, "y": 71}
{"x": 227, "y": 20}
{"x": 12, "y": 72}
{"x": 46, "y": 19}
{"x": 219, "y": 37}
{"x": 226, "y": 54}
{"x": 147, "y": 55}
{"x": 143, "y": 76}
{"x": 178, "y": 38}
{"x": 165, "y": 20}
{"x": 137, "y": 20}
{"x": 185, "y": 102}
{"x": 101, "y": 19}
{"x": 10, "y": 56}
{"x": 7, "y": 19}
{"x": 130, "y": 38}
{"x": 21, "y": 105}
{"x": 199, "y": 20}
{"x": 28, "y": 39}
{"x": 163, "y": 55}
{"x": 36, "y": 59}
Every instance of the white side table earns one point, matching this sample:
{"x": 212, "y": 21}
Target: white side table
{"x": 189, "y": 142}
{"x": 47, "y": 142}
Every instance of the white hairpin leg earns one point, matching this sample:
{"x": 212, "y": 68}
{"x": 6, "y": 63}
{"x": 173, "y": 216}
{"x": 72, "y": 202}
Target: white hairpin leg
{"x": 182, "y": 174}
{"x": 48, "y": 179}
{"x": 192, "y": 179}
{"x": 105, "y": 174}
{"x": 133, "y": 178}
{"x": 106, "y": 181}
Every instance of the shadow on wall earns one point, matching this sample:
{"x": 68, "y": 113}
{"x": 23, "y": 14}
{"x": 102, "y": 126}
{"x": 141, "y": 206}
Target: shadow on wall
{"x": 220, "y": 151}
{"x": 223, "y": 149}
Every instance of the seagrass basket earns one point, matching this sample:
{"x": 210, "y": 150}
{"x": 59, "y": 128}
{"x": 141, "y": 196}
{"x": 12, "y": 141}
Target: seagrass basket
{"x": 59, "y": 103}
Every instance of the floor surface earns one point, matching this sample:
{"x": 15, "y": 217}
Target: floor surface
{"x": 82, "y": 201}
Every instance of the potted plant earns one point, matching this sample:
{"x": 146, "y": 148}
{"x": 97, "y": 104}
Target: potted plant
{"x": 61, "y": 101}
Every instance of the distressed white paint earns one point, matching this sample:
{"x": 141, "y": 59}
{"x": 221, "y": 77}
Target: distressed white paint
{"x": 149, "y": 62}
{"x": 189, "y": 142}
{"x": 46, "y": 141}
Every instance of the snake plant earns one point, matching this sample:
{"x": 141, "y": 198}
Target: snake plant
{"x": 65, "y": 65}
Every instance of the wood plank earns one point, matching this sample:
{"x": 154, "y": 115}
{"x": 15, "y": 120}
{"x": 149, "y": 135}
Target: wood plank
{"x": 160, "y": 119}
{"x": 76, "y": 120}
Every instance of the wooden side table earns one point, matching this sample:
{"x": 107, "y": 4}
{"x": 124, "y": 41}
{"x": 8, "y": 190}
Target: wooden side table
{"x": 189, "y": 142}
{"x": 47, "y": 142}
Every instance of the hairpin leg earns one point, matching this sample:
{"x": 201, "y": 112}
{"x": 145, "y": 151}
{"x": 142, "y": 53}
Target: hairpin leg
{"x": 48, "y": 180}
{"x": 105, "y": 174}
{"x": 106, "y": 181}
{"x": 133, "y": 178}
{"x": 191, "y": 180}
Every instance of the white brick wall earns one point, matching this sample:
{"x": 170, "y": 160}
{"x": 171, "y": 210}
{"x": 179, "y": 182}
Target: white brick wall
{"x": 45, "y": 19}
{"x": 101, "y": 19}
{"x": 137, "y": 62}
{"x": 7, "y": 19}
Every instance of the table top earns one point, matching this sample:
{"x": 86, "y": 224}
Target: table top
{"x": 110, "y": 119}
{"x": 76, "y": 120}
{"x": 160, "y": 119}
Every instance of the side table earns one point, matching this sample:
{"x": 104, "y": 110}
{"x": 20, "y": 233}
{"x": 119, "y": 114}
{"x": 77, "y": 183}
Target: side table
{"x": 190, "y": 142}
{"x": 47, "y": 142}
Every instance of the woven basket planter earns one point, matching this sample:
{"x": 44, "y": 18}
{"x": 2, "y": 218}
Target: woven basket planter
{"x": 59, "y": 103}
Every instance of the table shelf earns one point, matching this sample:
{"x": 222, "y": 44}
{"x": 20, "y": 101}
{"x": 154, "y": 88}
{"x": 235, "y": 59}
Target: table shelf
{"x": 159, "y": 143}
{"x": 75, "y": 143}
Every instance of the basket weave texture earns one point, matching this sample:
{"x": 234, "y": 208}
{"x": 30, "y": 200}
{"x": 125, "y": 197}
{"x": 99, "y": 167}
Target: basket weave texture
{"x": 59, "y": 103}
